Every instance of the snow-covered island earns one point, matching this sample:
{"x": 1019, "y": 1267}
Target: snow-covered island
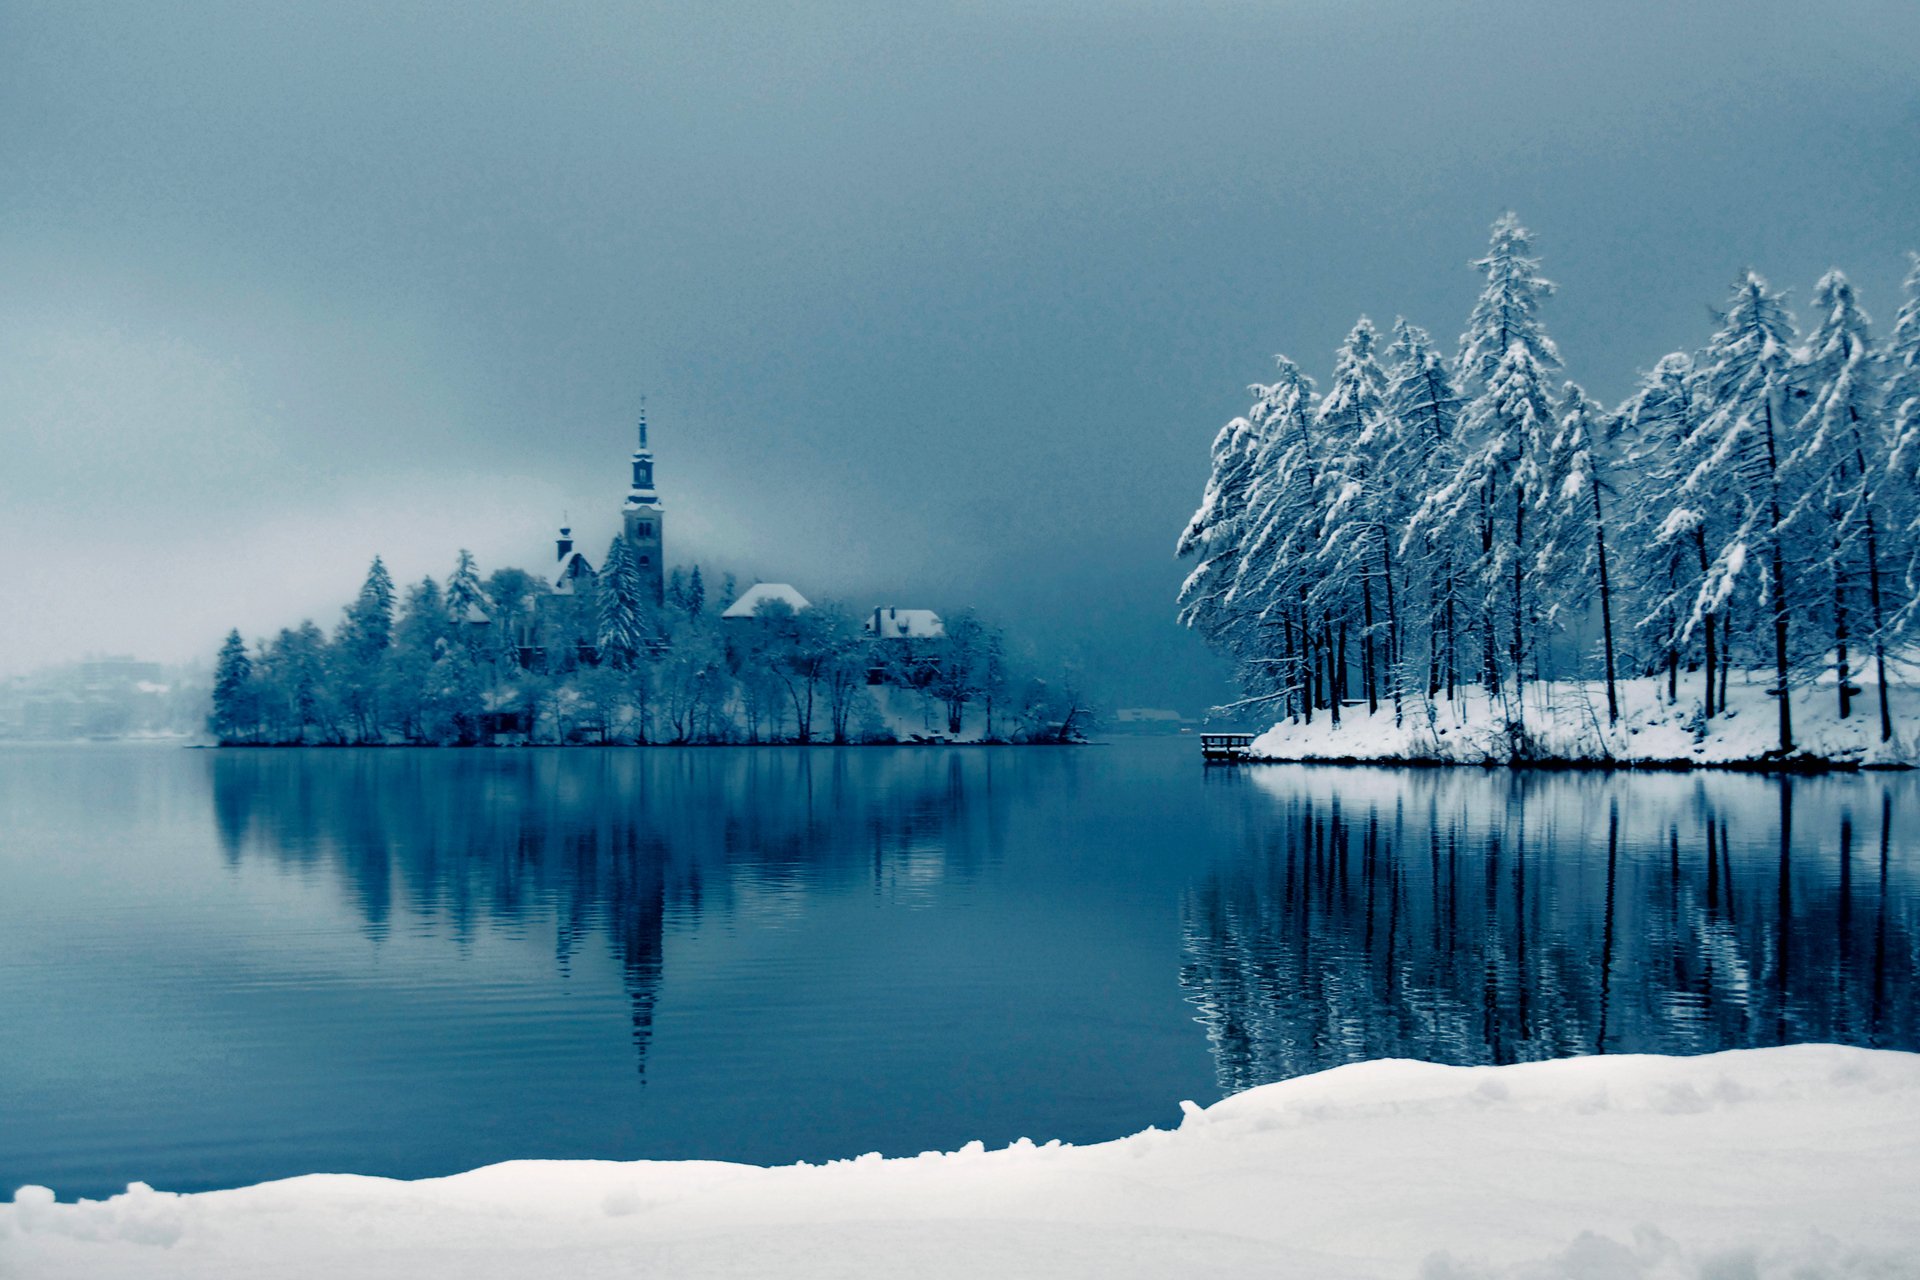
{"x": 1463, "y": 561}
{"x": 1756, "y": 1164}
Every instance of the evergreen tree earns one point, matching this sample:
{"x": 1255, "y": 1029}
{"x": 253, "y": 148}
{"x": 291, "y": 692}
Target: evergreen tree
{"x": 234, "y": 702}
{"x": 1504, "y": 364}
{"x": 1671, "y": 520}
{"x": 1901, "y": 365}
{"x": 1426, "y": 408}
{"x": 696, "y": 593}
{"x": 464, "y": 593}
{"x": 1361, "y": 505}
{"x": 368, "y": 629}
{"x": 1745, "y": 380}
{"x": 1574, "y": 547}
{"x": 1270, "y": 616}
{"x": 1840, "y": 460}
{"x": 1508, "y": 310}
{"x": 620, "y": 631}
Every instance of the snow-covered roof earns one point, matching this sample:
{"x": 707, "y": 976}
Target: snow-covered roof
{"x": 572, "y": 565}
{"x": 889, "y": 623}
{"x": 760, "y": 593}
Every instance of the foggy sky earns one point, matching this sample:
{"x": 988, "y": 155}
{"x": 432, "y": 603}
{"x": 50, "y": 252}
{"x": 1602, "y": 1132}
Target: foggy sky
{"x": 931, "y": 308}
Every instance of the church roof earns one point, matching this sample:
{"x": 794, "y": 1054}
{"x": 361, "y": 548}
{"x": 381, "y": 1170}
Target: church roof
{"x": 573, "y": 565}
{"x": 761, "y": 592}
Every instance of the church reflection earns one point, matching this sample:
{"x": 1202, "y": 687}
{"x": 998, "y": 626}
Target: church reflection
{"x": 1469, "y": 917}
{"x": 615, "y": 848}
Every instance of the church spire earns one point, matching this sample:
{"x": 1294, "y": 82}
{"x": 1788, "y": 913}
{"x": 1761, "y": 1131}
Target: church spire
{"x": 642, "y": 518}
{"x": 642, "y": 494}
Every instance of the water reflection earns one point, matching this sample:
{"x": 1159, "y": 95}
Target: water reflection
{"x": 1472, "y": 917}
{"x": 613, "y": 846}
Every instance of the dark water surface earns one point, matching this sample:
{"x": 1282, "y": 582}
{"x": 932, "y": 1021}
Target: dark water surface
{"x": 221, "y": 967}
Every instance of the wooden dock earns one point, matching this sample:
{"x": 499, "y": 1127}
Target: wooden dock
{"x": 1226, "y": 748}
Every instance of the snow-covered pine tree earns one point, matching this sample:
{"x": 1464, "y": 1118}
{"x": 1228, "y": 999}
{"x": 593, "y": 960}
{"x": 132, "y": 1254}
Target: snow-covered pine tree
{"x": 1217, "y": 526}
{"x": 1668, "y": 521}
{"x": 464, "y": 592}
{"x": 1219, "y": 598}
{"x": 1502, "y": 474}
{"x": 369, "y": 622}
{"x": 1422, "y": 399}
{"x": 362, "y": 642}
{"x": 1360, "y": 502}
{"x": 1275, "y": 582}
{"x": 696, "y": 593}
{"x": 1508, "y": 310}
{"x": 1745, "y": 377}
{"x": 1572, "y": 560}
{"x": 620, "y": 633}
{"x": 234, "y": 714}
{"x": 1352, "y": 426}
{"x": 1901, "y": 365}
{"x": 1505, "y": 361}
{"x": 1840, "y": 464}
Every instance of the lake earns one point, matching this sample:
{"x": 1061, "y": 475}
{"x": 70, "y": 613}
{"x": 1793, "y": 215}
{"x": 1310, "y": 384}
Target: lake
{"x": 219, "y": 967}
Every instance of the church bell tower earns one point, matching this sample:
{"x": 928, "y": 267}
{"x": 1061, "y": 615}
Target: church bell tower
{"x": 642, "y": 518}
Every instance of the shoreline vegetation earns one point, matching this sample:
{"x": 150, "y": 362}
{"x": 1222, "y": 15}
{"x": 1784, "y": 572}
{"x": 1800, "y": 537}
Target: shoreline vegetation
{"x": 510, "y": 661}
{"x": 1468, "y": 560}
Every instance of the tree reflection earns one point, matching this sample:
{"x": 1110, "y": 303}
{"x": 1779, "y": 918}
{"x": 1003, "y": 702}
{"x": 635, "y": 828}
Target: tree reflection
{"x": 624, "y": 846}
{"x": 1474, "y": 917}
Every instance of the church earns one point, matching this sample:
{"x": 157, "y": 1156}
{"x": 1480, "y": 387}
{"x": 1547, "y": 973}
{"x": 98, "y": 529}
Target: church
{"x": 642, "y": 521}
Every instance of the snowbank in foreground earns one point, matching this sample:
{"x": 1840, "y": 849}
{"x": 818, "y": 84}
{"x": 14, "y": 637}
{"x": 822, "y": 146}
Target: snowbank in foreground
{"x": 1800, "y": 1161}
{"x": 1567, "y": 720}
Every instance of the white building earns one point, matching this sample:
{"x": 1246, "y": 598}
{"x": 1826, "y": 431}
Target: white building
{"x": 777, "y": 593}
{"x": 889, "y": 623}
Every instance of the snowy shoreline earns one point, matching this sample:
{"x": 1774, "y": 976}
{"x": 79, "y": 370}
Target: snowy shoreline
{"x": 1762, "y": 1163}
{"x": 1565, "y": 725}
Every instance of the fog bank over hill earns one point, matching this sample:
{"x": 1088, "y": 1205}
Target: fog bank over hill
{"x": 933, "y": 310}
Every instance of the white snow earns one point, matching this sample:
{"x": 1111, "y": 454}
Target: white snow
{"x": 1751, "y": 1165}
{"x": 760, "y": 593}
{"x": 1567, "y": 720}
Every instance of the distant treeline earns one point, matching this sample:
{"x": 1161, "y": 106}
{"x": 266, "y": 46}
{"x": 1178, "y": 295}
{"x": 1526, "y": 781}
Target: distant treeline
{"x": 509, "y": 658}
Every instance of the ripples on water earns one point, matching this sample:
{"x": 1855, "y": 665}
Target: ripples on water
{"x": 217, "y": 967}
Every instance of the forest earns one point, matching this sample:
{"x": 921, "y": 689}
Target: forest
{"x": 508, "y": 659}
{"x": 1432, "y": 529}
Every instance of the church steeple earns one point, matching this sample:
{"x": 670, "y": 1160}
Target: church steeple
{"x": 642, "y": 518}
{"x": 642, "y": 491}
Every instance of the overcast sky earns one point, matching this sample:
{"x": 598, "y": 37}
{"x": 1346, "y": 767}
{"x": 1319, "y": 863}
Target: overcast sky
{"x": 933, "y": 305}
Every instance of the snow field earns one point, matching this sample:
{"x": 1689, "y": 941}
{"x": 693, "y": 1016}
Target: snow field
{"x": 1764, "y": 1164}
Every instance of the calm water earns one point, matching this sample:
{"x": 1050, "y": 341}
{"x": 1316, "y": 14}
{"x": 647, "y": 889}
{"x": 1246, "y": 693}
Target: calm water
{"x": 220, "y": 967}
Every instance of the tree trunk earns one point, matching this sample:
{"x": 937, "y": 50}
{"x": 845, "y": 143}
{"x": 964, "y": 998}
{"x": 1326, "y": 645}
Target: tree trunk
{"x": 1874, "y": 598}
{"x": 1519, "y": 586}
{"x": 1332, "y": 682}
{"x": 1393, "y": 626}
{"x": 1781, "y": 620}
{"x": 1366, "y": 646}
{"x": 1606, "y": 601}
{"x": 1700, "y": 545}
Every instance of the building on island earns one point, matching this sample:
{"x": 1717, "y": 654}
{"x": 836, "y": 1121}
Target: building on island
{"x": 780, "y": 595}
{"x": 889, "y": 623}
{"x": 570, "y": 566}
{"x": 642, "y": 520}
{"x": 642, "y": 523}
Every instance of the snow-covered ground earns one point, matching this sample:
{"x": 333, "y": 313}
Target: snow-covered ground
{"x": 1567, "y": 720}
{"x": 1764, "y": 1164}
